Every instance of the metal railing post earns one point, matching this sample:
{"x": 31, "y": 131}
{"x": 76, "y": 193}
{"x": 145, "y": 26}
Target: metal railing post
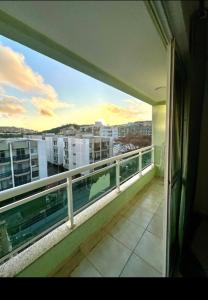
{"x": 153, "y": 156}
{"x": 118, "y": 175}
{"x": 70, "y": 201}
{"x": 140, "y": 163}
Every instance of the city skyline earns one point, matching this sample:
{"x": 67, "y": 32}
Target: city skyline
{"x": 39, "y": 93}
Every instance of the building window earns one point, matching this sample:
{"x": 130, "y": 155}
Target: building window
{"x": 35, "y": 174}
{"x": 34, "y": 162}
{"x": 2, "y": 154}
{"x": 20, "y": 152}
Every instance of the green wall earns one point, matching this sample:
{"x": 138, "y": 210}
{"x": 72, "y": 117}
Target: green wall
{"x": 60, "y": 253}
{"x": 158, "y": 130}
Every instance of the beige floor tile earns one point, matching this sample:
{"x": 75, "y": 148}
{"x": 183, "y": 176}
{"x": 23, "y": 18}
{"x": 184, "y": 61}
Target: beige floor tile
{"x": 153, "y": 196}
{"x": 139, "y": 216}
{"x": 127, "y": 233}
{"x": 150, "y": 249}
{"x": 156, "y": 226}
{"x": 149, "y": 206}
{"x": 85, "y": 269}
{"x": 159, "y": 211}
{"x": 137, "y": 267}
{"x": 109, "y": 257}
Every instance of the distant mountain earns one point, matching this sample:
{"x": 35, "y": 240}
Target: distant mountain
{"x": 57, "y": 129}
{"x": 12, "y": 129}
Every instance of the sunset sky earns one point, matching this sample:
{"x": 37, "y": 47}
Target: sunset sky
{"x": 37, "y": 92}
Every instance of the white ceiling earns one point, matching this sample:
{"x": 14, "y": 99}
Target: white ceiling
{"x": 118, "y": 37}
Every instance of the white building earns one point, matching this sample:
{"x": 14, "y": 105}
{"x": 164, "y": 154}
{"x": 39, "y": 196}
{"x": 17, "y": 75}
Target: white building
{"x": 109, "y": 131}
{"x": 55, "y": 147}
{"x": 83, "y": 151}
{"x": 21, "y": 161}
{"x": 76, "y": 152}
{"x": 33, "y": 136}
{"x": 70, "y": 130}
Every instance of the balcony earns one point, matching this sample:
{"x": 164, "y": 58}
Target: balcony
{"x": 4, "y": 160}
{"x": 21, "y": 171}
{"x": 5, "y": 175}
{"x": 71, "y": 204}
{"x": 22, "y": 157}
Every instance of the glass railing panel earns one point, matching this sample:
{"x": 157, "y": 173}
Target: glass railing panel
{"x": 146, "y": 159}
{"x": 26, "y": 222}
{"x": 128, "y": 168}
{"x": 6, "y": 174}
{"x": 92, "y": 188}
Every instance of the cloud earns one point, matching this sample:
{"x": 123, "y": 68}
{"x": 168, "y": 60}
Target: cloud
{"x": 16, "y": 73}
{"x": 46, "y": 106}
{"x": 117, "y": 110}
{"x": 11, "y": 106}
{"x": 46, "y": 112}
{"x": 132, "y": 111}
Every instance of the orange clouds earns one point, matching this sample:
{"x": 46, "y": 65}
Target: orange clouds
{"x": 16, "y": 73}
{"x": 117, "y": 110}
{"x": 135, "y": 111}
{"x": 48, "y": 105}
{"x": 11, "y": 106}
{"x": 45, "y": 112}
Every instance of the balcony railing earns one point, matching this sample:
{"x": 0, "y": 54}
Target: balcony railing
{"x": 21, "y": 171}
{"x": 46, "y": 203}
{"x": 9, "y": 186}
{"x": 21, "y": 157}
{"x": 4, "y": 159}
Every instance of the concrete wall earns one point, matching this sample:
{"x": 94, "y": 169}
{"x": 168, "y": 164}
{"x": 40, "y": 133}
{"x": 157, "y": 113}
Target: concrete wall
{"x": 158, "y": 136}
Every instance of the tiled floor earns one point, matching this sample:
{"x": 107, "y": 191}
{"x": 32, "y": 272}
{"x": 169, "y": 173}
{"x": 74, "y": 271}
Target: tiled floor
{"x": 131, "y": 245}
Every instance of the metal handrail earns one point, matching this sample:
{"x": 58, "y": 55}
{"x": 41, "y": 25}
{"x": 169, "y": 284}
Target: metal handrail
{"x": 7, "y": 194}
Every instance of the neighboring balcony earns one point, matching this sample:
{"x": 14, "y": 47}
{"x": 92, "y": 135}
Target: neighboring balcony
{"x": 21, "y": 171}
{"x": 4, "y": 160}
{"x": 60, "y": 201}
{"x": 33, "y": 154}
{"x": 5, "y": 175}
{"x": 22, "y": 157}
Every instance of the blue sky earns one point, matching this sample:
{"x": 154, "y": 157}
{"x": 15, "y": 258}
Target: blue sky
{"x": 48, "y": 93}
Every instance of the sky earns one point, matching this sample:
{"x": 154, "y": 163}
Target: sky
{"x": 39, "y": 93}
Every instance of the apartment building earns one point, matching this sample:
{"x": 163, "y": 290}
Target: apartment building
{"x": 109, "y": 131}
{"x": 71, "y": 130}
{"x": 55, "y": 147}
{"x": 21, "y": 161}
{"x": 93, "y": 129}
{"x": 82, "y": 151}
{"x": 135, "y": 128}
